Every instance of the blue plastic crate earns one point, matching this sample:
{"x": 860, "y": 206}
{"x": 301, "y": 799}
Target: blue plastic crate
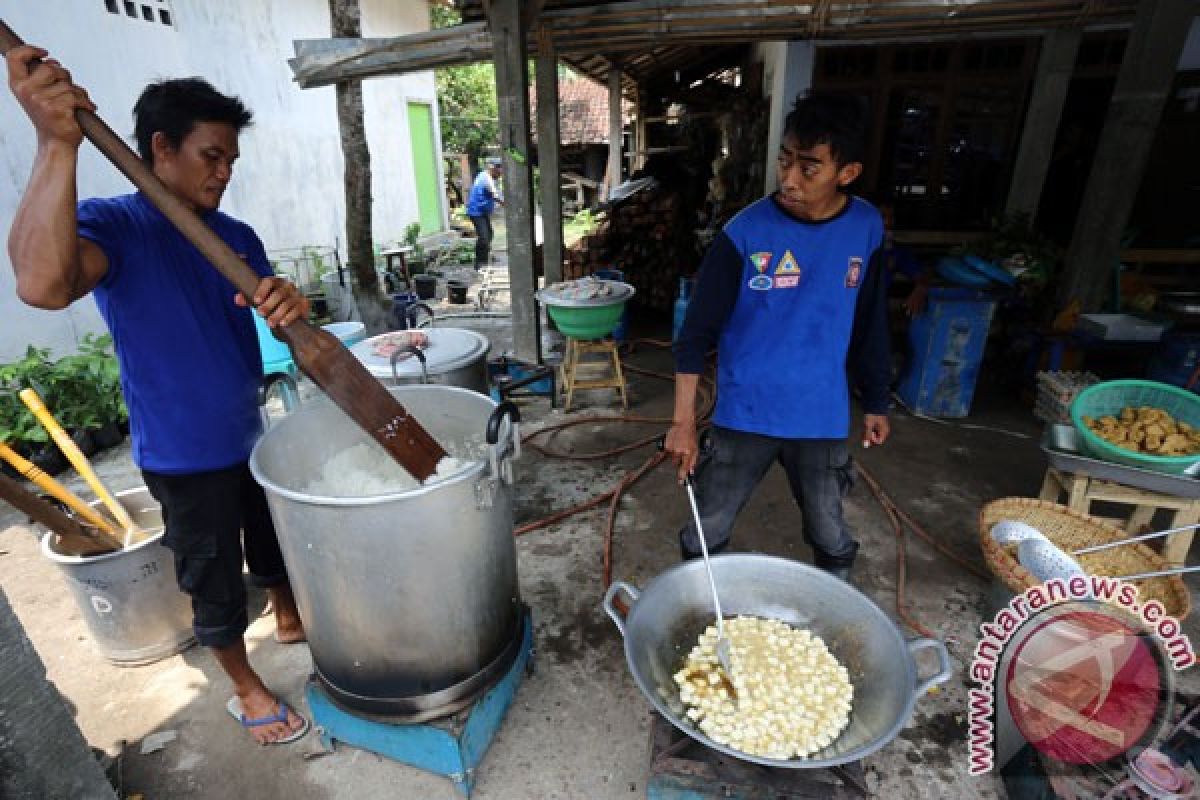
{"x": 1177, "y": 360}
{"x": 948, "y": 341}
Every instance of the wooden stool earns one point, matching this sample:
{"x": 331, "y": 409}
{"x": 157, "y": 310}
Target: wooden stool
{"x": 579, "y": 373}
{"x": 1083, "y": 490}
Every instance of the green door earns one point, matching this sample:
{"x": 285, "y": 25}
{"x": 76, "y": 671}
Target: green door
{"x": 424, "y": 160}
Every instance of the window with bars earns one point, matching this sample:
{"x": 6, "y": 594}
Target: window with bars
{"x": 155, "y": 11}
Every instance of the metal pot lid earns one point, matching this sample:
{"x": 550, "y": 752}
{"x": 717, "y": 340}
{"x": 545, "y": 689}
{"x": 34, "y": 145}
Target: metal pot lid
{"x": 448, "y": 349}
{"x": 586, "y": 293}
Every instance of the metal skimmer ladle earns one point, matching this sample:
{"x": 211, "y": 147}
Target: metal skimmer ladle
{"x": 1047, "y": 561}
{"x": 723, "y": 644}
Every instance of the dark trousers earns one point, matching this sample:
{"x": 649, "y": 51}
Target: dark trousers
{"x": 819, "y": 471}
{"x": 483, "y": 239}
{"x": 212, "y": 519}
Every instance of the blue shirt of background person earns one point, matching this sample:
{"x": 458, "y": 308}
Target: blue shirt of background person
{"x": 482, "y": 200}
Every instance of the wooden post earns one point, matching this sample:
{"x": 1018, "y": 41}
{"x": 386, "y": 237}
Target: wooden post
{"x": 548, "y": 157}
{"x": 639, "y": 133}
{"x": 1055, "y": 65}
{"x": 613, "y": 177}
{"x": 1147, "y": 70}
{"x": 512, "y": 100}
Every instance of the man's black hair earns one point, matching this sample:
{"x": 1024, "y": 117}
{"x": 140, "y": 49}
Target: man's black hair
{"x": 175, "y": 106}
{"x": 833, "y": 119}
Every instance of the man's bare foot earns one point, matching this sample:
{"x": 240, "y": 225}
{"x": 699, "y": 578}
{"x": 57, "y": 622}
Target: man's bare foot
{"x": 290, "y": 635}
{"x": 260, "y": 714}
{"x": 288, "y": 627}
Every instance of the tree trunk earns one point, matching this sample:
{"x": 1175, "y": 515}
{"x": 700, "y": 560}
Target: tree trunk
{"x": 346, "y": 21}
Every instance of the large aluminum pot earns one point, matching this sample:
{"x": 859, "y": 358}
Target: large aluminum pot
{"x": 453, "y": 357}
{"x": 133, "y": 608}
{"x": 409, "y": 600}
{"x": 665, "y": 619}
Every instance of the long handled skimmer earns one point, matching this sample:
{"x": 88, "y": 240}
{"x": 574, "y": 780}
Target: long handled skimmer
{"x": 723, "y": 646}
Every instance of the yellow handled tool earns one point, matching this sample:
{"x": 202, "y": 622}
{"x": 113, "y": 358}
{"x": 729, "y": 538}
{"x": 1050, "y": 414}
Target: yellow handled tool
{"x": 65, "y": 443}
{"x": 56, "y": 490}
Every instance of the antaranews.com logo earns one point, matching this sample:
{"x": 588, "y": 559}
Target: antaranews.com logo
{"x": 1085, "y": 668}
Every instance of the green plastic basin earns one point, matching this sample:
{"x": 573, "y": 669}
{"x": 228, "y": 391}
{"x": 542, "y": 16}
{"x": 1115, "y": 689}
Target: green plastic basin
{"x": 1110, "y": 397}
{"x": 594, "y": 322}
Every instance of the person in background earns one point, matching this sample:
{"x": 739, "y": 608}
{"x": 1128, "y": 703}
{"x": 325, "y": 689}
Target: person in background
{"x": 792, "y": 294}
{"x": 481, "y": 202}
{"x": 185, "y": 341}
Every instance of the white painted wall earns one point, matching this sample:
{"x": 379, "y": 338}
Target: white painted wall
{"x": 288, "y": 182}
{"x": 787, "y": 71}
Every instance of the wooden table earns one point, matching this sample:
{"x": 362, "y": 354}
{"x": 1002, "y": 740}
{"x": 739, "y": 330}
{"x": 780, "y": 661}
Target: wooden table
{"x": 1083, "y": 490}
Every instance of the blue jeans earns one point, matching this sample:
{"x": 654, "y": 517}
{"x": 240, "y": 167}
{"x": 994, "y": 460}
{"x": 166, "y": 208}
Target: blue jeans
{"x": 819, "y": 471}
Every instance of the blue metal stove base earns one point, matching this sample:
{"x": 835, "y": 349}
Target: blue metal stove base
{"x": 453, "y": 750}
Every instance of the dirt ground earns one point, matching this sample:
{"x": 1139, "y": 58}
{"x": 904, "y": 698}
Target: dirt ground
{"x": 579, "y": 727}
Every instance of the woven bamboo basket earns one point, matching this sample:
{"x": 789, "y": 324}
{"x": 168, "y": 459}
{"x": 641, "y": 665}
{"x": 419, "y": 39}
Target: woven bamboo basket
{"x": 1071, "y": 530}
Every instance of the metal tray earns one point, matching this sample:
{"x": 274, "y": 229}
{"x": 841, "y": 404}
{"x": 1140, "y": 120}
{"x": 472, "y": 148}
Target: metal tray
{"x": 1060, "y": 443}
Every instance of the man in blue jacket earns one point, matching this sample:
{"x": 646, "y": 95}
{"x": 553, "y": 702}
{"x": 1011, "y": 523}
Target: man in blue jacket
{"x": 792, "y": 296}
{"x": 480, "y": 204}
{"x": 185, "y": 340}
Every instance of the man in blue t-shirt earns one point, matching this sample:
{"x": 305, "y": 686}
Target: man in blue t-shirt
{"x": 481, "y": 202}
{"x": 185, "y": 340}
{"x": 792, "y": 295}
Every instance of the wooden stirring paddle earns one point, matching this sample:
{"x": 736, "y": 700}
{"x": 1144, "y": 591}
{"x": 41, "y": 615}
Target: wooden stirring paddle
{"x": 318, "y": 353}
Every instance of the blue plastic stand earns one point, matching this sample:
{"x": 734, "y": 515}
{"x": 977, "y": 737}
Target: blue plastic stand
{"x": 452, "y": 747}
{"x": 948, "y": 342}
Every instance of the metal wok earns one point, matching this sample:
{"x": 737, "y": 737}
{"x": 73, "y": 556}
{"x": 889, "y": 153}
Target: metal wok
{"x": 665, "y": 619}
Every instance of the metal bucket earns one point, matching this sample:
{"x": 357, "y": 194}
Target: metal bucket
{"x": 453, "y": 357}
{"x": 665, "y": 619}
{"x": 409, "y": 600}
{"x": 129, "y": 599}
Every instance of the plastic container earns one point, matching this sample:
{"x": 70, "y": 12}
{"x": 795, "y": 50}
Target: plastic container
{"x": 957, "y": 271}
{"x": 276, "y": 356}
{"x": 948, "y": 341}
{"x": 1177, "y": 361}
{"x": 1110, "y": 397}
{"x": 456, "y": 291}
{"x": 681, "y": 306}
{"x": 348, "y": 333}
{"x": 426, "y": 286}
{"x": 620, "y": 332}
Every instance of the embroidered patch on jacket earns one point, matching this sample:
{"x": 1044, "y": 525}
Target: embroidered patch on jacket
{"x": 787, "y": 274}
{"x": 761, "y": 261}
{"x": 787, "y": 265}
{"x": 854, "y": 272}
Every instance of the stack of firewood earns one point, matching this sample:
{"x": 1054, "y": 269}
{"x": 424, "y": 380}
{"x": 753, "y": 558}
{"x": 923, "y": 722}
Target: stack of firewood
{"x": 649, "y": 239}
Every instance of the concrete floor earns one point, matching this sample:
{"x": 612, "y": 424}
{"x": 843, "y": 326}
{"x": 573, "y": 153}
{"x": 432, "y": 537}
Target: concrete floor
{"x": 579, "y": 726}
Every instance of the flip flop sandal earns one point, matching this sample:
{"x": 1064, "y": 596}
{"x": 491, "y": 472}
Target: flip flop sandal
{"x": 234, "y": 707}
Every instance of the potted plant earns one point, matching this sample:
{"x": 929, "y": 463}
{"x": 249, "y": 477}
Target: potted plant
{"x": 21, "y": 429}
{"x": 416, "y": 260}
